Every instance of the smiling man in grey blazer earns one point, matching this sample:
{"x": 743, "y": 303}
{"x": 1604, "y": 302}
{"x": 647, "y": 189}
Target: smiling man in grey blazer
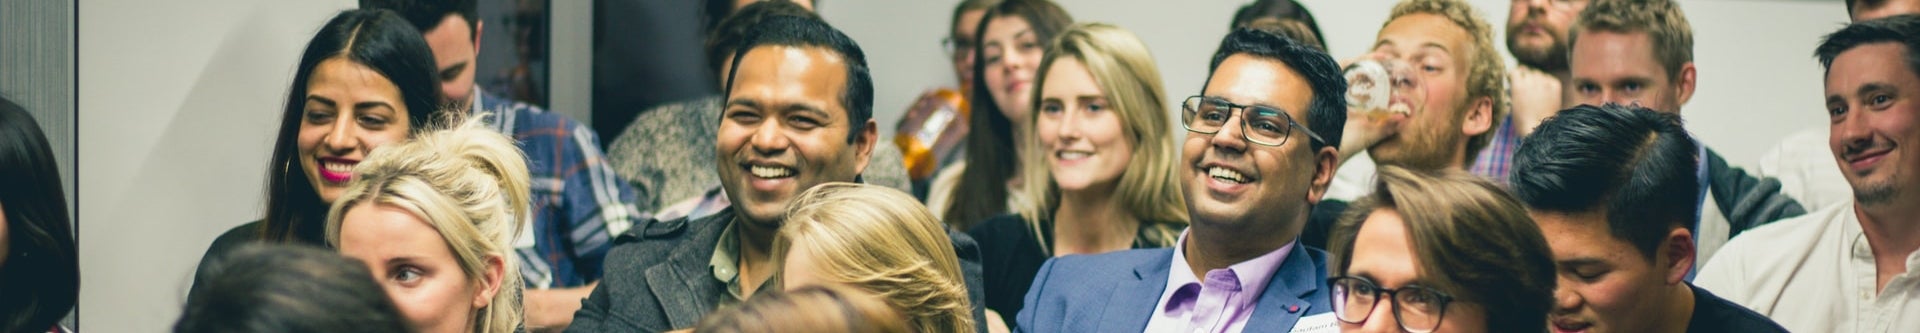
{"x": 799, "y": 106}
{"x": 1259, "y": 153}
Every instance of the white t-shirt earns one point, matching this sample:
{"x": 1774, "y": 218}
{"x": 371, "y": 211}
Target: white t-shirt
{"x": 1815, "y": 273}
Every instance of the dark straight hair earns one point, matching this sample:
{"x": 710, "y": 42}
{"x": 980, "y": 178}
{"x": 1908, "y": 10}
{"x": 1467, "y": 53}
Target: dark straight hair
{"x": 991, "y": 158}
{"x": 1634, "y": 164}
{"x": 289, "y": 288}
{"x": 378, "y": 39}
{"x": 40, "y": 279}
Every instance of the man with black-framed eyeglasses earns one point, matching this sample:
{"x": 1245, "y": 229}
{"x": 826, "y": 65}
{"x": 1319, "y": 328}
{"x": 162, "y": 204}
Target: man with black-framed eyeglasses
{"x": 1257, "y": 157}
{"x": 1439, "y": 251}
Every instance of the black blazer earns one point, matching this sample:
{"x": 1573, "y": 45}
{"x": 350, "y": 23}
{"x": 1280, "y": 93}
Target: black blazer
{"x": 657, "y": 278}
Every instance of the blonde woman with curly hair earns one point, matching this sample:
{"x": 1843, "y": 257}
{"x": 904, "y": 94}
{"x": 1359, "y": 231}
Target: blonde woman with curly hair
{"x": 435, "y": 218}
{"x": 879, "y": 240}
{"x": 1102, "y": 177}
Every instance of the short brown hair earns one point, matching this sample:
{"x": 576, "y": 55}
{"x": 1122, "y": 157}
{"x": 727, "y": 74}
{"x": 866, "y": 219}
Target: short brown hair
{"x": 1486, "y": 75}
{"x": 812, "y": 308}
{"x": 1472, "y": 239}
{"x": 1661, "y": 20}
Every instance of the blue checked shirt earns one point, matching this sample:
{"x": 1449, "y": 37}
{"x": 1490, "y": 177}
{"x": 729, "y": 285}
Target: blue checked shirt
{"x": 578, "y": 202}
{"x": 1492, "y": 162}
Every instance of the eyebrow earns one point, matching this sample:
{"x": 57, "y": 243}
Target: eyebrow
{"x": 452, "y": 68}
{"x": 1873, "y": 88}
{"x": 1581, "y": 261}
{"x": 788, "y": 107}
{"x": 322, "y": 100}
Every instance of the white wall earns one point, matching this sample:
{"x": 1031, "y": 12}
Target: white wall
{"x": 1757, "y": 76}
{"x": 178, "y": 101}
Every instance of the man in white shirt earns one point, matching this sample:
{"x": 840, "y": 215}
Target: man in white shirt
{"x": 1799, "y": 160}
{"x": 1848, "y": 267}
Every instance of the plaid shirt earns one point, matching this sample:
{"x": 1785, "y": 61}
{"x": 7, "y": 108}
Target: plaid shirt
{"x": 1492, "y": 161}
{"x": 578, "y": 203}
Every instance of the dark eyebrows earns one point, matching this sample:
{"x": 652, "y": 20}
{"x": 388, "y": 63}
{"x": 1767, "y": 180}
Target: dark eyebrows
{"x": 452, "y": 69}
{"x": 322, "y": 100}
{"x": 1580, "y": 261}
{"x": 1874, "y": 87}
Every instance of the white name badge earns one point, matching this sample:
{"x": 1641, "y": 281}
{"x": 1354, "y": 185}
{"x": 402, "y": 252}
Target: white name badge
{"x": 1322, "y": 323}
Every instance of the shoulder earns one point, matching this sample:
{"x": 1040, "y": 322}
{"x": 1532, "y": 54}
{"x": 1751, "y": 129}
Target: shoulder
{"x": 1763, "y": 259}
{"x": 1001, "y": 230}
{"x": 1109, "y": 265}
{"x": 1712, "y": 313}
{"x": 234, "y": 237}
{"x": 653, "y": 241}
{"x": 1793, "y": 235}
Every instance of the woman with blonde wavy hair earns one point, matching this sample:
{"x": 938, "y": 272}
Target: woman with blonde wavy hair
{"x": 1102, "y": 179}
{"x": 879, "y": 240}
{"x": 435, "y": 218}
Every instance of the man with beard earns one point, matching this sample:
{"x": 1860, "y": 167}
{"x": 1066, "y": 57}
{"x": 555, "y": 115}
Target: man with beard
{"x": 1848, "y": 267}
{"x": 1537, "y": 38}
{"x": 1460, "y": 71}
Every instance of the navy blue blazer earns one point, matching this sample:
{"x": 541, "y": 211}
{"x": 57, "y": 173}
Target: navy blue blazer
{"x": 1117, "y": 292}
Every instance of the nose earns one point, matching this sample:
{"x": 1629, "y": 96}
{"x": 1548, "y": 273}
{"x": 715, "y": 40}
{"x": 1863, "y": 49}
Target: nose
{"x": 1565, "y": 299}
{"x": 341, "y": 138}
{"x": 1851, "y": 132}
{"x": 1536, "y": 6}
{"x": 1069, "y": 128}
{"x": 1230, "y": 137}
{"x": 769, "y": 138}
{"x": 1381, "y": 319}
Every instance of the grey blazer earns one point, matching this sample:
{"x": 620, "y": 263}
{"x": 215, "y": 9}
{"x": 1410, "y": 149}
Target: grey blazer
{"x": 657, "y": 278}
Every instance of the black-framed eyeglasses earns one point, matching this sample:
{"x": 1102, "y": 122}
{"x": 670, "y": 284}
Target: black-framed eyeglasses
{"x": 957, "y": 48}
{"x": 1417, "y": 309}
{"x": 1261, "y": 125}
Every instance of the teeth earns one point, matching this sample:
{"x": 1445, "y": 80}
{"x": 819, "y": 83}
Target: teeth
{"x": 337, "y": 167}
{"x": 1073, "y": 155}
{"x": 771, "y": 172}
{"x": 1226, "y": 174}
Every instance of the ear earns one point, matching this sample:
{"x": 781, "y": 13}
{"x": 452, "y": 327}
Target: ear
{"x": 1685, "y": 83}
{"x": 863, "y": 145}
{"x": 477, "y": 28}
{"x": 1325, "y": 162}
{"x": 1678, "y": 253}
{"x": 1479, "y": 118}
{"x": 490, "y": 281}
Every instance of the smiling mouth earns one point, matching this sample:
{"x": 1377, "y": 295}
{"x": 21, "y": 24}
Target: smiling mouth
{"x": 770, "y": 172}
{"x": 1570, "y": 326}
{"x": 1072, "y": 155}
{"x": 1227, "y": 175}
{"x": 336, "y": 170}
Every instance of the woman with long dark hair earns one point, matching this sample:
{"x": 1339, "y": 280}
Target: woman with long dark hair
{"x": 39, "y": 270}
{"x": 1013, "y": 36}
{"x": 365, "y": 80}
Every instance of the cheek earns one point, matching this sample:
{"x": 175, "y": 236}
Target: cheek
{"x": 308, "y": 137}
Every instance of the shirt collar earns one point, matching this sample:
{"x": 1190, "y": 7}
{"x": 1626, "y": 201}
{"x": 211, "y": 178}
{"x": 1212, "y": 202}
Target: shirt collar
{"x": 1254, "y": 273}
{"x": 725, "y": 262}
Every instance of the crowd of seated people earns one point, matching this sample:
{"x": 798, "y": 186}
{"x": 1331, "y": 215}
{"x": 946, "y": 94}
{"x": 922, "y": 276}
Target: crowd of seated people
{"x": 1058, "y": 189}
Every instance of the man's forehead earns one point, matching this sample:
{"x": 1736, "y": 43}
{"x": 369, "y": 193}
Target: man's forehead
{"x": 782, "y": 74}
{"x": 1254, "y": 80}
{"x": 1869, "y": 63}
{"x": 1426, "y": 31}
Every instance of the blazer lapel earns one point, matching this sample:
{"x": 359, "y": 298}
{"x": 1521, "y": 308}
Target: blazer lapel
{"x": 1132, "y": 301}
{"x": 1286, "y": 297}
{"x": 682, "y": 286}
